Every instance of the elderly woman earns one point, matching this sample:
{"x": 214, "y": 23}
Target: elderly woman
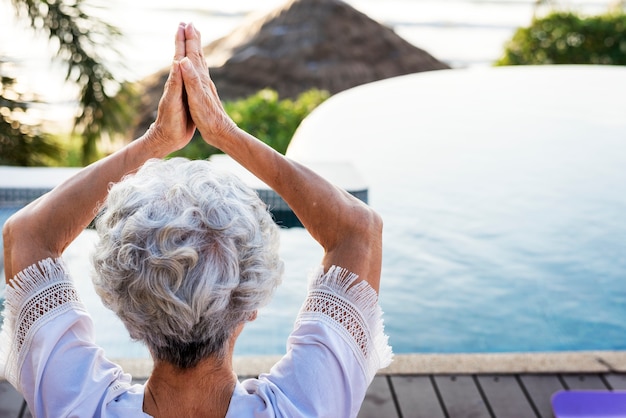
{"x": 186, "y": 256}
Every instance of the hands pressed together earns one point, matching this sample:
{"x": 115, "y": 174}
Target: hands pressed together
{"x": 189, "y": 99}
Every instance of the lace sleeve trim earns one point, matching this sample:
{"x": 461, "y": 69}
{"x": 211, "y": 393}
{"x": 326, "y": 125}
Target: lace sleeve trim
{"x": 40, "y": 293}
{"x": 353, "y": 310}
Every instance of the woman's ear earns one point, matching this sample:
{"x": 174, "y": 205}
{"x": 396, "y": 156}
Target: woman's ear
{"x": 252, "y": 316}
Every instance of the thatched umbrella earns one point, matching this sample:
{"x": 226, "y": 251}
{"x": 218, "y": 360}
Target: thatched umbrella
{"x": 303, "y": 44}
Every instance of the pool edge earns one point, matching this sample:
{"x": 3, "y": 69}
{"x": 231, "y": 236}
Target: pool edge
{"x": 495, "y": 363}
{"x": 536, "y": 362}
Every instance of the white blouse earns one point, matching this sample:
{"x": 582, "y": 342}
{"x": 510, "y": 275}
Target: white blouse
{"x": 47, "y": 351}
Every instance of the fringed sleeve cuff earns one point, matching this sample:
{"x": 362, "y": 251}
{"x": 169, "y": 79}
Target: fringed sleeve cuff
{"x": 353, "y": 310}
{"x": 35, "y": 296}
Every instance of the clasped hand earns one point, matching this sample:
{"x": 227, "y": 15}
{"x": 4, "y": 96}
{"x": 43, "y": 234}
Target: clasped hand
{"x": 189, "y": 99}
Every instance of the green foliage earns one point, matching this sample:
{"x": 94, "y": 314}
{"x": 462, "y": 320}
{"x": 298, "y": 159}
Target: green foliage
{"x": 197, "y": 149}
{"x": 272, "y": 120}
{"x": 79, "y": 37}
{"x": 21, "y": 143}
{"x": 71, "y": 145}
{"x": 567, "y": 38}
{"x": 24, "y": 145}
{"x": 266, "y": 116}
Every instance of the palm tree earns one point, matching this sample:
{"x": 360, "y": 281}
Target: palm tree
{"x": 20, "y": 143}
{"x": 102, "y": 109}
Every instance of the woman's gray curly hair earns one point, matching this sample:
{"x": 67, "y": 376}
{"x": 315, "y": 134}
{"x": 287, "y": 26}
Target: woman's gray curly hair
{"x": 186, "y": 254}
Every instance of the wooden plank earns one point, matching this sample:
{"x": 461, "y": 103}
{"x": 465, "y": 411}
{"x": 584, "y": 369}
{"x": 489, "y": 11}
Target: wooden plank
{"x": 461, "y": 397}
{"x": 540, "y": 388}
{"x": 378, "y": 400}
{"x": 617, "y": 381}
{"x": 26, "y": 412}
{"x": 505, "y": 396}
{"x": 416, "y": 397}
{"x": 584, "y": 381}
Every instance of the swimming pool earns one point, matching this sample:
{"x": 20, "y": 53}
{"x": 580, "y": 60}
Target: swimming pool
{"x": 507, "y": 245}
{"x": 502, "y": 195}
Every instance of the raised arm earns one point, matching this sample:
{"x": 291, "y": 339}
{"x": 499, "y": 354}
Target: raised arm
{"x": 349, "y": 231}
{"x": 48, "y": 225}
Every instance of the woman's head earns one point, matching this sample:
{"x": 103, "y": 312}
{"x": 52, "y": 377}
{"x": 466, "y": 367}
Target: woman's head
{"x": 186, "y": 254}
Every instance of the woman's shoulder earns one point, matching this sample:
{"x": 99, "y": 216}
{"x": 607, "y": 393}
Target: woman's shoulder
{"x": 127, "y": 402}
{"x": 333, "y": 353}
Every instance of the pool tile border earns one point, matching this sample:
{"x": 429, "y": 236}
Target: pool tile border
{"x": 412, "y": 364}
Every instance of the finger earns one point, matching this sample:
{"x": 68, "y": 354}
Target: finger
{"x": 192, "y": 86}
{"x": 176, "y": 79}
{"x": 193, "y": 45}
{"x": 179, "y": 44}
{"x": 173, "y": 86}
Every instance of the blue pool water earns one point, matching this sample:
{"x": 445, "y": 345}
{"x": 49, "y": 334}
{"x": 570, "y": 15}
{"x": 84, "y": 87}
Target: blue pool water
{"x": 466, "y": 278}
{"x": 502, "y": 195}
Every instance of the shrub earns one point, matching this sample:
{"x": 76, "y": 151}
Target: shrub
{"x": 567, "y": 38}
{"x": 22, "y": 143}
{"x": 197, "y": 149}
{"x": 266, "y": 116}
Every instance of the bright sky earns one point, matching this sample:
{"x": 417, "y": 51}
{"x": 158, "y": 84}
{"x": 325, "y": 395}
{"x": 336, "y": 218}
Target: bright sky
{"x": 461, "y": 32}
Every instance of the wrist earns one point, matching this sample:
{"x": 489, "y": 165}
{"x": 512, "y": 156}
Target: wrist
{"x": 154, "y": 143}
{"x": 221, "y": 137}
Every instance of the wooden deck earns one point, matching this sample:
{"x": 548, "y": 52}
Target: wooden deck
{"x": 476, "y": 395}
{"x": 440, "y": 396}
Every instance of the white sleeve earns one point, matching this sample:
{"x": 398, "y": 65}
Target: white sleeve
{"x": 337, "y": 346}
{"x": 48, "y": 351}
{"x": 353, "y": 311}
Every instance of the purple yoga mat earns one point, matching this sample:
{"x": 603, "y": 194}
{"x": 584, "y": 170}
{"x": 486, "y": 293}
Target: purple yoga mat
{"x": 589, "y": 404}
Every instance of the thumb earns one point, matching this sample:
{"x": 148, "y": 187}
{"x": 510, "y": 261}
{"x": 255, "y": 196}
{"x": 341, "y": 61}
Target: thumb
{"x": 190, "y": 76}
{"x": 175, "y": 81}
{"x": 173, "y": 88}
